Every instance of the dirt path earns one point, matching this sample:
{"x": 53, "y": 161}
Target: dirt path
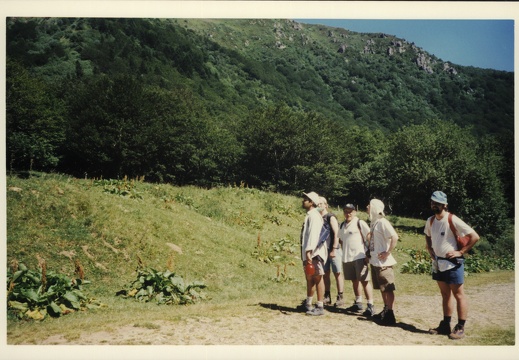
{"x": 491, "y": 307}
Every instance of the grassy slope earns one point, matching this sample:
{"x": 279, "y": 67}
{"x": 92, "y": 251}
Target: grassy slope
{"x": 62, "y": 219}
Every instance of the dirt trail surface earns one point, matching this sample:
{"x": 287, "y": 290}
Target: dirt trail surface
{"x": 490, "y": 307}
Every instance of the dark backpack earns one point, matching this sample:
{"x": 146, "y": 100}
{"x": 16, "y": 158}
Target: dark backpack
{"x": 326, "y": 230}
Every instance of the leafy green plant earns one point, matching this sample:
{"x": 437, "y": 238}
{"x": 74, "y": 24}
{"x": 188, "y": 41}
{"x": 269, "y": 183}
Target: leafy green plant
{"x": 123, "y": 187}
{"x": 474, "y": 263}
{"x": 162, "y": 287}
{"x": 279, "y": 251}
{"x": 478, "y": 263}
{"x": 419, "y": 263}
{"x": 37, "y": 294}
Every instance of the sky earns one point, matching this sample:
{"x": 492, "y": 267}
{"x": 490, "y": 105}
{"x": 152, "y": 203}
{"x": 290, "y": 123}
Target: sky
{"x": 487, "y": 44}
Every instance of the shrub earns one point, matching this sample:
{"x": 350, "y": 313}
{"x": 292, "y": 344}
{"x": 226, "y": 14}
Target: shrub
{"x": 162, "y": 287}
{"x": 37, "y": 294}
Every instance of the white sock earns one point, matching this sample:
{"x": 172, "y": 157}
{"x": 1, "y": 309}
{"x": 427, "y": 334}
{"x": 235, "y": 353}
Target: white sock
{"x": 358, "y": 299}
{"x": 370, "y": 302}
{"x": 309, "y": 300}
{"x": 320, "y": 304}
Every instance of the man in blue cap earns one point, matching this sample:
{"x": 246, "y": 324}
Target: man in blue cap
{"x": 448, "y": 263}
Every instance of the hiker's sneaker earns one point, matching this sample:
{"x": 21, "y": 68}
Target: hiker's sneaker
{"x": 388, "y": 319}
{"x": 316, "y": 311}
{"x": 457, "y": 333}
{"x": 304, "y": 306}
{"x": 380, "y": 315}
{"x": 370, "y": 310}
{"x": 443, "y": 329}
{"x": 357, "y": 306}
{"x": 327, "y": 300}
{"x": 340, "y": 301}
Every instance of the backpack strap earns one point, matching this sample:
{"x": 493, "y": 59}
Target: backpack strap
{"x": 451, "y": 225}
{"x": 360, "y": 230}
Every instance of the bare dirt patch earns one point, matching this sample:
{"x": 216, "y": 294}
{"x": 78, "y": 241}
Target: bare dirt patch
{"x": 491, "y": 307}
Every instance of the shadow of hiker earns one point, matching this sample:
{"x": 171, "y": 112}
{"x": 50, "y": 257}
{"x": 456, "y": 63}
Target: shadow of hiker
{"x": 332, "y": 309}
{"x": 283, "y": 309}
{"x": 404, "y": 326}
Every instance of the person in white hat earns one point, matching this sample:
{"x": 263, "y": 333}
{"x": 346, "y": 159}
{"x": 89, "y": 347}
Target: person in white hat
{"x": 383, "y": 240}
{"x": 314, "y": 253}
{"x": 448, "y": 263}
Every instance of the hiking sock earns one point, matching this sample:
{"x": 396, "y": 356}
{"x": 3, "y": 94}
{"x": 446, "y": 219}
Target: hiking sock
{"x": 309, "y": 300}
{"x": 326, "y": 294}
{"x": 320, "y": 304}
{"x": 370, "y": 301}
{"x": 461, "y": 323}
{"x": 358, "y": 299}
{"x": 447, "y": 319}
{"x": 340, "y": 295}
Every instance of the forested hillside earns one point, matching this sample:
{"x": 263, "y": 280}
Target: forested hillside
{"x": 272, "y": 104}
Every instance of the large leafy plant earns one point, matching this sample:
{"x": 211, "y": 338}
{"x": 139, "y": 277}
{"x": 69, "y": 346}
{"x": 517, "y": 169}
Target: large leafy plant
{"x": 36, "y": 294}
{"x": 162, "y": 287}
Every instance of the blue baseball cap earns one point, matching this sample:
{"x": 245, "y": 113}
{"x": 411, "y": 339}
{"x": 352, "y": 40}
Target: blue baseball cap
{"x": 439, "y": 197}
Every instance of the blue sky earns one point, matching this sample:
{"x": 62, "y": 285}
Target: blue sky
{"x": 480, "y": 43}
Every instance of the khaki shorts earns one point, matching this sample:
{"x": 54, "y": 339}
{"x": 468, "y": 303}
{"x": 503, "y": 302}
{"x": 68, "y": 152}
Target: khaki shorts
{"x": 356, "y": 270}
{"x": 318, "y": 265}
{"x": 383, "y": 278}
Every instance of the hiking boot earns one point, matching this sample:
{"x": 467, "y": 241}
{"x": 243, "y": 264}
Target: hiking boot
{"x": 304, "y": 306}
{"x": 357, "y": 306}
{"x": 316, "y": 311}
{"x": 370, "y": 310}
{"x": 388, "y": 319}
{"x": 327, "y": 300}
{"x": 340, "y": 301}
{"x": 443, "y": 329}
{"x": 380, "y": 315}
{"x": 457, "y": 333}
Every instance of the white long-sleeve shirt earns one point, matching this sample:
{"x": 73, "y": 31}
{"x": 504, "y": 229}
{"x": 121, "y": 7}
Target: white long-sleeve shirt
{"x": 310, "y": 237}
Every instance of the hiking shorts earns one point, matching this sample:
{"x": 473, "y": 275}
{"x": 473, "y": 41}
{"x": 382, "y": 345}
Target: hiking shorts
{"x": 318, "y": 265}
{"x": 335, "y": 263}
{"x": 383, "y": 278}
{"x": 356, "y": 270}
{"x": 453, "y": 276}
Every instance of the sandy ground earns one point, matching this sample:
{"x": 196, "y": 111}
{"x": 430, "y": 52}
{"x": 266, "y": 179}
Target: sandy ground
{"x": 491, "y": 307}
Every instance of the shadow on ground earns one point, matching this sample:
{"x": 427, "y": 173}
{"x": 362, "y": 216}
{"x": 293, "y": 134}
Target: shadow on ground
{"x": 287, "y": 310}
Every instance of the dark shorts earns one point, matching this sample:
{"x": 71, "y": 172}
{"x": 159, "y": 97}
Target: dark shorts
{"x": 356, "y": 270}
{"x": 453, "y": 276}
{"x": 383, "y": 278}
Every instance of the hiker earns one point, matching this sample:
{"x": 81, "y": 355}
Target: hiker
{"x": 313, "y": 254}
{"x": 334, "y": 260}
{"x": 448, "y": 263}
{"x": 353, "y": 234}
{"x": 382, "y": 242}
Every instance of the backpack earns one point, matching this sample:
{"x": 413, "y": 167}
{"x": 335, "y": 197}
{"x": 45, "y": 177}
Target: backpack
{"x": 461, "y": 241}
{"x": 326, "y": 230}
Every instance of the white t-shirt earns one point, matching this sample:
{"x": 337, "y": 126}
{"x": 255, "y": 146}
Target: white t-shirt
{"x": 381, "y": 233}
{"x": 310, "y": 237}
{"x": 352, "y": 244}
{"x": 443, "y": 240}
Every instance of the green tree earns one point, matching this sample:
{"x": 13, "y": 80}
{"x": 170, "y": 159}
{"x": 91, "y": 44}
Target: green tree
{"x": 34, "y": 121}
{"x": 440, "y": 155}
{"x": 291, "y": 151}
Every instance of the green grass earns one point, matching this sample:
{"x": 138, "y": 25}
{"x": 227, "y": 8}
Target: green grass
{"x": 62, "y": 219}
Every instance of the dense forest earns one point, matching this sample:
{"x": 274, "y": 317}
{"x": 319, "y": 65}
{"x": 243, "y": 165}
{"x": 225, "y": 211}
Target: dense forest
{"x": 272, "y": 104}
